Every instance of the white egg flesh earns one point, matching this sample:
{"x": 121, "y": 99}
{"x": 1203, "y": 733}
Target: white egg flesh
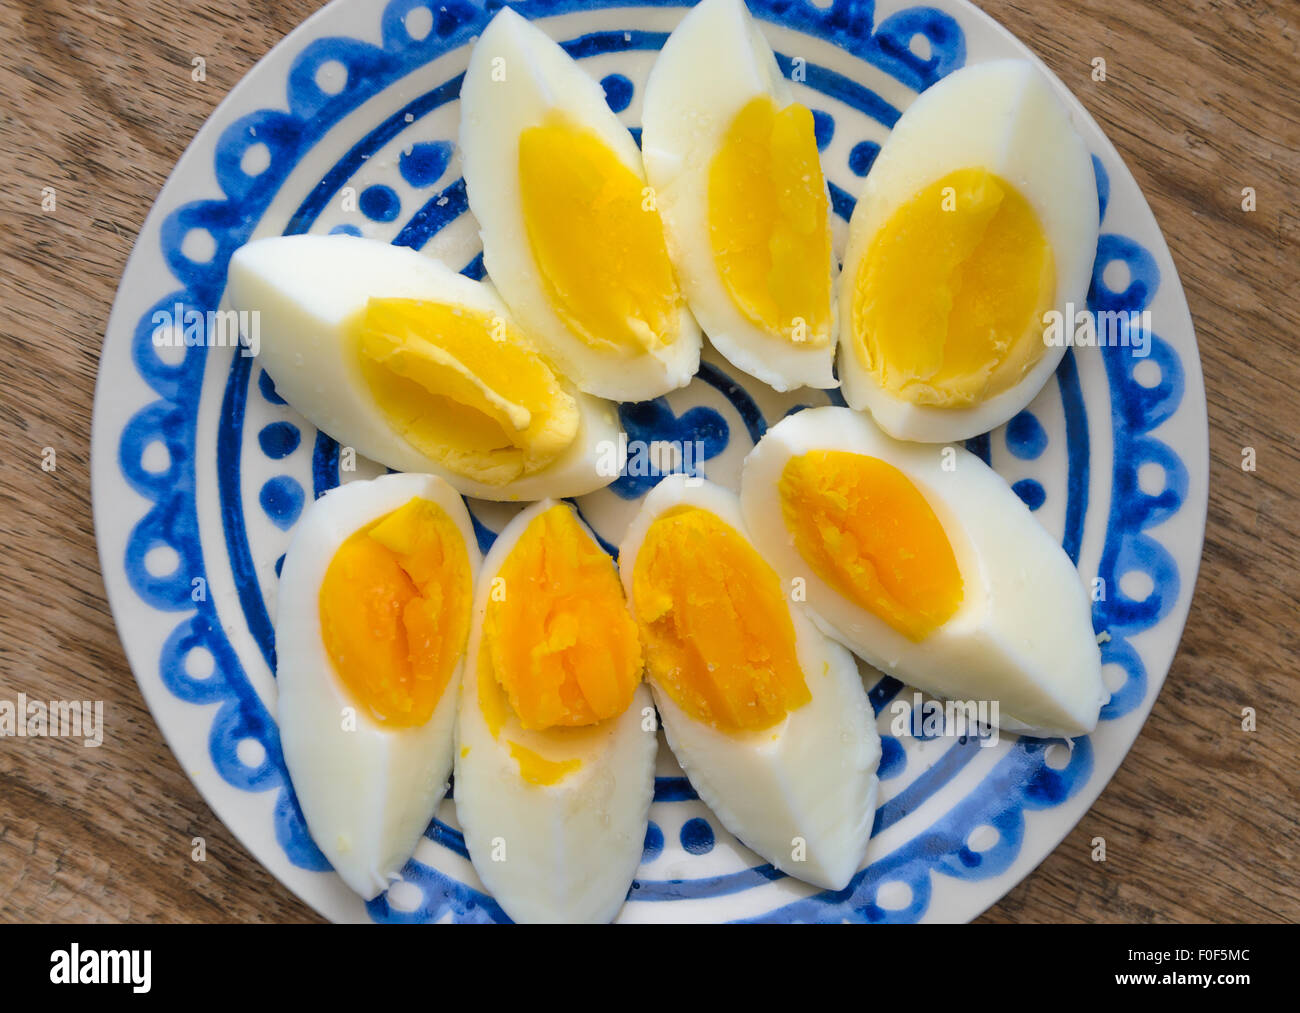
{"x": 419, "y": 368}
{"x": 571, "y": 234}
{"x": 767, "y": 717}
{"x": 372, "y": 620}
{"x": 737, "y": 176}
{"x": 556, "y": 735}
{"x": 975, "y": 230}
{"x": 925, "y": 563}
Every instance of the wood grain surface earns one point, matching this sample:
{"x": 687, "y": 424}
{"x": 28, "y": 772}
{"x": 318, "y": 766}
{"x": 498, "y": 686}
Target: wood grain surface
{"x": 1201, "y": 99}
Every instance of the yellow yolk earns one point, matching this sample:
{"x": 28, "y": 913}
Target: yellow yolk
{"x": 866, "y": 530}
{"x": 717, "y": 628}
{"x": 465, "y": 388}
{"x": 537, "y": 769}
{"x": 533, "y": 766}
{"x": 559, "y": 647}
{"x": 949, "y": 300}
{"x": 768, "y": 222}
{"x": 394, "y": 612}
{"x": 597, "y": 239}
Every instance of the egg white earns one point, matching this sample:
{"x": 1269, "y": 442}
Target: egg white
{"x": 565, "y": 852}
{"x": 1005, "y": 117}
{"x": 1023, "y": 633}
{"x": 369, "y": 793}
{"x": 308, "y": 289}
{"x": 714, "y": 63}
{"x": 541, "y": 77}
{"x": 810, "y": 777}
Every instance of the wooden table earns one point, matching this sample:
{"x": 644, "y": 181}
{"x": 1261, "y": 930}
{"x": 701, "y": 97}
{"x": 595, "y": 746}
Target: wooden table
{"x": 1201, "y": 99}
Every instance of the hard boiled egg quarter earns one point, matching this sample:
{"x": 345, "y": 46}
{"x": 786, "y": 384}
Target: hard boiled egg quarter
{"x": 419, "y": 368}
{"x": 571, "y": 234}
{"x": 923, "y": 562}
{"x": 556, "y": 735}
{"x": 767, "y": 717}
{"x": 737, "y": 177}
{"x": 372, "y": 619}
{"x": 978, "y": 219}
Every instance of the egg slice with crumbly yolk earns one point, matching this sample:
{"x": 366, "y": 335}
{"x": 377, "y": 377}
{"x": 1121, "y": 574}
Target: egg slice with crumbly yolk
{"x": 768, "y": 718}
{"x": 394, "y": 612}
{"x": 718, "y": 634}
{"x": 559, "y": 650}
{"x": 868, "y": 531}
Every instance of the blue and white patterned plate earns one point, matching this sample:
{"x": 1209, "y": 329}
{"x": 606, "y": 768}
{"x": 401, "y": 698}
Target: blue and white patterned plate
{"x": 200, "y": 470}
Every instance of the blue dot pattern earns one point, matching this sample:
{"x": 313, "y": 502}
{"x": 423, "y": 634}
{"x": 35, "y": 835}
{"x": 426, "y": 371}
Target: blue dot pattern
{"x": 697, "y": 836}
{"x": 618, "y": 91}
{"x": 282, "y": 499}
{"x": 379, "y": 203}
{"x": 654, "y": 842}
{"x": 1031, "y": 491}
{"x": 892, "y": 758}
{"x": 862, "y": 157}
{"x": 279, "y": 439}
{"x": 267, "y": 387}
{"x": 1026, "y": 437}
{"x": 423, "y": 164}
{"x": 823, "y": 128}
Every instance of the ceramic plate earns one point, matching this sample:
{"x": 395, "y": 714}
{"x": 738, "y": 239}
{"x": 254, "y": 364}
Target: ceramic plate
{"x": 201, "y": 470}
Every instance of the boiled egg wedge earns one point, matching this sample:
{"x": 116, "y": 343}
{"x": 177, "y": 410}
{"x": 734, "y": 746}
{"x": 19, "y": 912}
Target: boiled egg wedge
{"x": 767, "y": 717}
{"x": 419, "y": 368}
{"x": 924, "y": 562}
{"x": 571, "y": 233}
{"x": 976, "y": 228}
{"x": 556, "y": 738}
{"x": 372, "y": 619}
{"x": 733, "y": 161}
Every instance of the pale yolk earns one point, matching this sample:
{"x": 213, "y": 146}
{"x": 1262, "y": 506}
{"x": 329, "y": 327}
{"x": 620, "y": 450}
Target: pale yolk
{"x": 717, "y": 628}
{"x": 597, "y": 239}
{"x": 768, "y": 222}
{"x": 948, "y": 303}
{"x": 394, "y": 612}
{"x": 868, "y": 531}
{"x": 464, "y": 388}
{"x": 559, "y": 647}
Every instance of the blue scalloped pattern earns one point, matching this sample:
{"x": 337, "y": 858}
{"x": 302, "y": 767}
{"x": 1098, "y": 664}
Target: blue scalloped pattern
{"x": 198, "y": 664}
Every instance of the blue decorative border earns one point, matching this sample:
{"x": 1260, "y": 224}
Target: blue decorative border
{"x": 1021, "y": 780}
